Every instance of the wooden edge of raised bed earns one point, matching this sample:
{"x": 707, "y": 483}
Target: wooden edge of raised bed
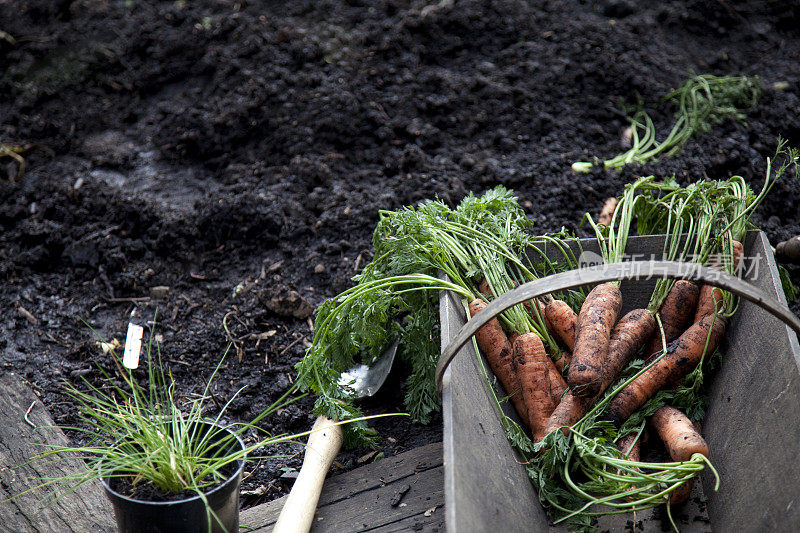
{"x": 86, "y": 509}
{"x": 399, "y": 493}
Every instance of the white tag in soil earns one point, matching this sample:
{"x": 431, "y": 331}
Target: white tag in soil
{"x": 133, "y": 346}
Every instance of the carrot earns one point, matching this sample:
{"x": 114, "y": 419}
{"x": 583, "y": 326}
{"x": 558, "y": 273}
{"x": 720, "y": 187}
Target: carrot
{"x": 625, "y": 340}
{"x": 568, "y": 412}
{"x": 607, "y": 213}
{"x": 563, "y": 361}
{"x": 675, "y": 313}
{"x": 557, "y": 384}
{"x": 681, "y": 493}
{"x": 678, "y": 433}
{"x": 484, "y": 288}
{"x": 630, "y": 447}
{"x": 542, "y": 312}
{"x": 682, "y": 356}
{"x": 710, "y": 298}
{"x": 563, "y": 320}
{"x": 495, "y": 346}
{"x": 595, "y": 321}
{"x": 533, "y": 367}
{"x": 627, "y": 337}
{"x": 681, "y": 440}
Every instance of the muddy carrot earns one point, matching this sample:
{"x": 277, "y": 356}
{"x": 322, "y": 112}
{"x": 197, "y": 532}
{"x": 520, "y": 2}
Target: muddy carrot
{"x": 498, "y": 351}
{"x": 484, "y": 288}
{"x": 680, "y": 494}
{"x": 595, "y": 322}
{"x": 607, "y": 213}
{"x": 682, "y": 357}
{"x": 678, "y": 433}
{"x": 627, "y": 337}
{"x": 567, "y": 412}
{"x": 675, "y": 312}
{"x": 542, "y": 312}
{"x": 710, "y": 298}
{"x": 563, "y": 321}
{"x": 563, "y": 361}
{"x": 630, "y": 446}
{"x": 681, "y": 440}
{"x": 533, "y": 367}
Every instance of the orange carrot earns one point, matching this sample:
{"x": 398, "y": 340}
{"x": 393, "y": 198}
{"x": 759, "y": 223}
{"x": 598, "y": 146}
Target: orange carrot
{"x": 563, "y": 361}
{"x": 533, "y": 368}
{"x": 675, "y": 312}
{"x": 710, "y": 298}
{"x": 627, "y": 337}
{"x": 681, "y": 440}
{"x": 595, "y": 321}
{"x": 498, "y": 351}
{"x": 625, "y": 340}
{"x": 484, "y": 288}
{"x": 607, "y": 213}
{"x": 542, "y": 313}
{"x": 563, "y": 320}
{"x": 682, "y": 357}
{"x": 570, "y": 410}
{"x": 680, "y": 494}
{"x": 630, "y": 447}
{"x": 678, "y": 433}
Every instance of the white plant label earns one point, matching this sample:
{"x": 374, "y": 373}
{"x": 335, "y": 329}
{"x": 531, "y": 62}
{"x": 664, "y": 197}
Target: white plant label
{"x": 133, "y": 346}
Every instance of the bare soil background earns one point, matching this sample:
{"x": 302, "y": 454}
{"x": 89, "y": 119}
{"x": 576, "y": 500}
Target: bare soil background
{"x": 225, "y": 161}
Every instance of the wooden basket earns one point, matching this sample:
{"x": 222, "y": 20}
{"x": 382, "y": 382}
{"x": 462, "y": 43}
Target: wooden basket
{"x": 752, "y": 425}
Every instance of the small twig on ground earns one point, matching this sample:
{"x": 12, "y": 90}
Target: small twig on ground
{"x": 358, "y": 262}
{"x": 28, "y": 412}
{"x": 294, "y": 342}
{"x": 129, "y": 300}
{"x": 28, "y": 315}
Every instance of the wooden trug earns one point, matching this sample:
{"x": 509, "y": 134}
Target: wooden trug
{"x": 752, "y": 425}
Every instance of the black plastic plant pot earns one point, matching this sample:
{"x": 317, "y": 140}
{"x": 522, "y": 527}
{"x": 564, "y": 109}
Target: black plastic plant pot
{"x": 183, "y": 516}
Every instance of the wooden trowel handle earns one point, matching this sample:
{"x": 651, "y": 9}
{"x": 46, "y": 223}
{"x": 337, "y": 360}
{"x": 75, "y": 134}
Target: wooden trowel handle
{"x": 323, "y": 445}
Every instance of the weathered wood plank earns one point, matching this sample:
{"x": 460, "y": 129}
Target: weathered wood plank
{"x": 752, "y": 425}
{"x": 433, "y": 524}
{"x": 359, "y": 500}
{"x": 483, "y": 473}
{"x": 86, "y": 509}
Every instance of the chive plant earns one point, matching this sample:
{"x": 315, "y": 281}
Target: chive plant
{"x": 142, "y": 434}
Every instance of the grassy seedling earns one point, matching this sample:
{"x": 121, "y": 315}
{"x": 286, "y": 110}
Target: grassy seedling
{"x": 702, "y": 102}
{"x": 142, "y": 433}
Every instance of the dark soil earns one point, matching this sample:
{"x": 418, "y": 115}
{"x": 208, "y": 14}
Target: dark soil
{"x": 223, "y": 162}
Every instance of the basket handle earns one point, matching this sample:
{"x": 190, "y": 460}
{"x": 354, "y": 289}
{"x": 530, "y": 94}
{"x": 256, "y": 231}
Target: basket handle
{"x": 630, "y": 270}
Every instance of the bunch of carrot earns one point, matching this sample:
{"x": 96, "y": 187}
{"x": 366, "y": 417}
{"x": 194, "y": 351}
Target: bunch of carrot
{"x": 480, "y": 246}
{"x": 607, "y": 394}
{"x": 567, "y": 362}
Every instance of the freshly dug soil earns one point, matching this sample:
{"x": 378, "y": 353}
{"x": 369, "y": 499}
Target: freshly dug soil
{"x": 222, "y": 163}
